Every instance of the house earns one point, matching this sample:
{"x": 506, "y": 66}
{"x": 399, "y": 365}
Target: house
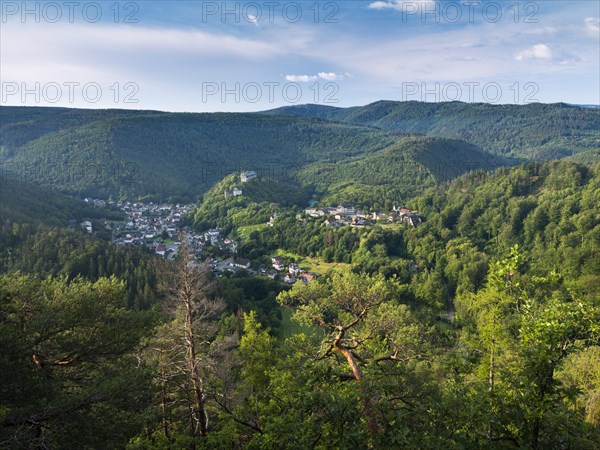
{"x": 307, "y": 277}
{"x": 247, "y": 176}
{"x": 294, "y": 269}
{"x": 271, "y": 221}
{"x": 331, "y": 222}
{"x": 411, "y": 219}
{"x": 161, "y": 249}
{"x": 289, "y": 279}
{"x": 241, "y": 263}
{"x": 235, "y": 192}
{"x": 345, "y": 210}
{"x": 314, "y": 212}
{"x": 213, "y": 236}
{"x": 86, "y": 225}
{"x": 272, "y": 274}
{"x": 357, "y": 222}
{"x": 277, "y": 263}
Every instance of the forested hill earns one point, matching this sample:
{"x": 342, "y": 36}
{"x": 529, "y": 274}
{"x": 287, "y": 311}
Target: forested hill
{"x": 534, "y": 131}
{"x": 20, "y": 125}
{"x": 180, "y": 156}
{"x": 548, "y": 209}
{"x": 22, "y": 202}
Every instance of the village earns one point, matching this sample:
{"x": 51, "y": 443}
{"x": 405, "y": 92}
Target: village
{"x": 159, "y": 227}
{"x": 345, "y": 215}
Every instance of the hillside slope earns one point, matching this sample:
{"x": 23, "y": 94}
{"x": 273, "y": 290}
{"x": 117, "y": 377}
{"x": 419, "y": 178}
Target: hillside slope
{"x": 180, "y": 156}
{"x": 394, "y": 174}
{"x": 22, "y": 202}
{"x": 533, "y": 131}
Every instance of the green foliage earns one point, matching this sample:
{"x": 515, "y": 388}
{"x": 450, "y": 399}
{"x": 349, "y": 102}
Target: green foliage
{"x": 28, "y": 203}
{"x": 527, "y": 326}
{"x": 477, "y": 329}
{"x": 44, "y": 251}
{"x": 255, "y": 294}
{"x": 260, "y": 199}
{"x": 180, "y": 156}
{"x": 534, "y": 131}
{"x": 69, "y": 378}
{"x": 544, "y": 208}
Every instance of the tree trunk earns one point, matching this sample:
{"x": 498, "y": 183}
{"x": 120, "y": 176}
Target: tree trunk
{"x": 372, "y": 424}
{"x": 199, "y": 413}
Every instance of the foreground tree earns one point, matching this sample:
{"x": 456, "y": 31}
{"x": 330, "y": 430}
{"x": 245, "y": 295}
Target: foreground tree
{"x": 68, "y": 378}
{"x": 181, "y": 353}
{"x": 364, "y": 323}
{"x": 528, "y": 326}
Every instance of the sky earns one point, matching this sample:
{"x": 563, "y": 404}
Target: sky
{"x": 204, "y": 56}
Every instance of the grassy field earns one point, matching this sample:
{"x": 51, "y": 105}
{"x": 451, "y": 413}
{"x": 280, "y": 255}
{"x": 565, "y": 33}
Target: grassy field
{"x": 314, "y": 265}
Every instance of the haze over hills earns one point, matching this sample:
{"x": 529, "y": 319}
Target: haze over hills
{"x": 533, "y": 131}
{"x": 180, "y": 155}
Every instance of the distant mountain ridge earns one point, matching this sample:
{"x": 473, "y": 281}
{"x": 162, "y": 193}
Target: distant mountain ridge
{"x": 130, "y": 154}
{"x": 532, "y": 131}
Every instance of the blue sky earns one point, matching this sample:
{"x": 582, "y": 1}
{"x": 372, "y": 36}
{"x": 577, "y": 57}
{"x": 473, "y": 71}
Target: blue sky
{"x": 255, "y": 55}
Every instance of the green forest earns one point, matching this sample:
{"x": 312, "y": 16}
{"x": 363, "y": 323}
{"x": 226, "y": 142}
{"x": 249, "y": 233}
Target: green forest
{"x": 405, "y": 146}
{"x": 479, "y": 328}
{"x": 533, "y": 131}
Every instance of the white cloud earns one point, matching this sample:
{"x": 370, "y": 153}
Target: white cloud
{"x": 300, "y": 78}
{"x": 44, "y": 41}
{"x": 329, "y": 76}
{"x": 538, "y": 51}
{"x": 401, "y": 5}
{"x": 592, "y": 26}
{"x": 252, "y": 19}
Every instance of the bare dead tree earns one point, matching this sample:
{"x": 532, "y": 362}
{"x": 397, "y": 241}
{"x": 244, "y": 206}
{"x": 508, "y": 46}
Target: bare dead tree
{"x": 190, "y": 303}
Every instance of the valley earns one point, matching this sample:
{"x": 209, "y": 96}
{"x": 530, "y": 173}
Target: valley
{"x": 429, "y": 254}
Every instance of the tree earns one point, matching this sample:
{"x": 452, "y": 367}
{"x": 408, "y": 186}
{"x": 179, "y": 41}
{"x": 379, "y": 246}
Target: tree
{"x": 357, "y": 314}
{"x": 528, "y": 325}
{"x": 68, "y": 375}
{"x": 181, "y": 348}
